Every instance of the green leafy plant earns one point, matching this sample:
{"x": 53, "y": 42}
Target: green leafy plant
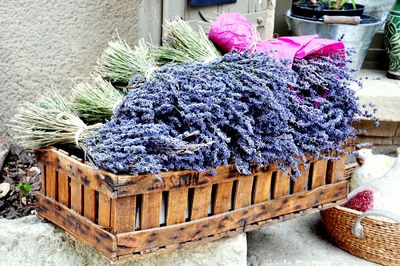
{"x": 25, "y": 188}
{"x": 338, "y": 4}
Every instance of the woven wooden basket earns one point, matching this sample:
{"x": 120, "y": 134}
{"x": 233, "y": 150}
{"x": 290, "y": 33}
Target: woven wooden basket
{"x": 371, "y": 238}
{"x": 129, "y": 217}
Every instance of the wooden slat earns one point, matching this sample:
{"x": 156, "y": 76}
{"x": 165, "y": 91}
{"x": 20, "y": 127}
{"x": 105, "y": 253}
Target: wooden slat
{"x": 193, "y": 243}
{"x": 43, "y": 174}
{"x": 222, "y": 199}
{"x": 335, "y": 172}
{"x": 201, "y": 202}
{"x": 282, "y": 185}
{"x": 301, "y": 182}
{"x": 76, "y": 196}
{"x": 243, "y": 192}
{"x": 124, "y": 185}
{"x": 123, "y": 214}
{"x": 63, "y": 188}
{"x": 262, "y": 186}
{"x": 212, "y": 225}
{"x": 125, "y": 255}
{"x": 51, "y": 182}
{"x": 85, "y": 174}
{"x": 319, "y": 173}
{"x": 89, "y": 203}
{"x": 104, "y": 213}
{"x": 130, "y": 185}
{"x": 77, "y": 225}
{"x": 177, "y": 204}
{"x": 150, "y": 211}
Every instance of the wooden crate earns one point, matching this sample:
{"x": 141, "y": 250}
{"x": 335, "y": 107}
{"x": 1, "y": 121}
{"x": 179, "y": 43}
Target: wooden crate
{"x": 127, "y": 217}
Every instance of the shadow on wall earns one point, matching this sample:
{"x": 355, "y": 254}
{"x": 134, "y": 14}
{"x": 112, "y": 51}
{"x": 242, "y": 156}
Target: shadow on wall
{"x": 46, "y": 43}
{"x": 281, "y": 28}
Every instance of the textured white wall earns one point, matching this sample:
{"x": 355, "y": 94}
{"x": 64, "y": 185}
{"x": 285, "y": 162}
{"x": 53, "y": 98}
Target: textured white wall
{"x": 50, "y": 42}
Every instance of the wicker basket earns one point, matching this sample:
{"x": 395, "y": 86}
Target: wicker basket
{"x": 371, "y": 238}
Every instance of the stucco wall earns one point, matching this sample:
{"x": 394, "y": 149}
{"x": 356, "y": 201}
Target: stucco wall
{"x": 50, "y": 42}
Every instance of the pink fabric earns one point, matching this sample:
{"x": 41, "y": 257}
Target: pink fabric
{"x": 232, "y": 30}
{"x": 235, "y": 31}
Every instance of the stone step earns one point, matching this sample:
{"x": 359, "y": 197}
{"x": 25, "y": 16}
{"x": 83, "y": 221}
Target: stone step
{"x": 385, "y": 94}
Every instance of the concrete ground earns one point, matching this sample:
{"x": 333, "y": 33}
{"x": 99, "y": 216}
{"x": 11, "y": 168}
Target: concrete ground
{"x": 300, "y": 241}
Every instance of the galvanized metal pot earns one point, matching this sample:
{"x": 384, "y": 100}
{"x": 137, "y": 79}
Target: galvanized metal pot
{"x": 392, "y": 41}
{"x": 357, "y": 37}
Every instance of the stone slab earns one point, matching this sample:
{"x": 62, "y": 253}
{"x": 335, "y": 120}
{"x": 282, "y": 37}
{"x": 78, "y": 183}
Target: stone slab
{"x": 29, "y": 241}
{"x": 385, "y": 128}
{"x": 375, "y": 140}
{"x": 383, "y": 92}
{"x": 398, "y": 131}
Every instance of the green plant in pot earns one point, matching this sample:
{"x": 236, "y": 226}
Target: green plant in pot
{"x": 317, "y": 9}
{"x": 335, "y": 20}
{"x": 338, "y": 5}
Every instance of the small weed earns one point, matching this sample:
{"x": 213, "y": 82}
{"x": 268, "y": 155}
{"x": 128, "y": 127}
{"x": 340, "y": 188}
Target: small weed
{"x": 25, "y": 188}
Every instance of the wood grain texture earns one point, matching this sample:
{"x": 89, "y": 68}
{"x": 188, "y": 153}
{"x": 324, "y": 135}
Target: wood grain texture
{"x": 51, "y": 182}
{"x": 76, "y": 196}
{"x": 319, "y": 173}
{"x": 75, "y": 169}
{"x": 262, "y": 186}
{"x": 177, "y": 204}
{"x": 125, "y": 185}
{"x": 104, "y": 211}
{"x": 281, "y": 186}
{"x": 131, "y": 185}
{"x": 243, "y": 192}
{"x": 168, "y": 235}
{"x": 222, "y": 199}
{"x": 89, "y": 203}
{"x": 63, "y": 188}
{"x": 301, "y": 182}
{"x": 123, "y": 214}
{"x": 125, "y": 254}
{"x": 150, "y": 211}
{"x": 335, "y": 171}
{"x": 201, "y": 202}
{"x": 43, "y": 174}
{"x": 117, "y": 213}
{"x": 76, "y": 225}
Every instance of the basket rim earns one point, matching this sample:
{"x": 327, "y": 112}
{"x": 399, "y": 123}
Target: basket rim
{"x": 358, "y": 213}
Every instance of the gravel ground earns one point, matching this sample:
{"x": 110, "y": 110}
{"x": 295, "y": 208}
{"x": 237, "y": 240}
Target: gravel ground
{"x": 19, "y": 166}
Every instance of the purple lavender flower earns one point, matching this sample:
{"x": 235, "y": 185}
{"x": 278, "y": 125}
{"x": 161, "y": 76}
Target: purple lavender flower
{"x": 242, "y": 108}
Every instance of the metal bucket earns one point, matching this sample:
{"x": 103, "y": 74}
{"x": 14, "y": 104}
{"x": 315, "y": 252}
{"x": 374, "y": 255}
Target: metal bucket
{"x": 357, "y": 37}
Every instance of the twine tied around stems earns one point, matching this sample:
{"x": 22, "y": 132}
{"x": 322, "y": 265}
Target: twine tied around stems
{"x": 149, "y": 72}
{"x": 256, "y": 40}
{"x": 75, "y": 120}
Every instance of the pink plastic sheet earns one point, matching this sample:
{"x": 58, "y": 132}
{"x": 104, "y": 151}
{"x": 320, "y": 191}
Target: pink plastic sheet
{"x": 235, "y": 31}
